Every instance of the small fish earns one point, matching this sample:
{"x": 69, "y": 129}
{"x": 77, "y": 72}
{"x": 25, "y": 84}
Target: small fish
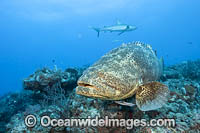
{"x": 114, "y": 41}
{"x": 189, "y": 43}
{"x": 121, "y": 28}
{"x": 53, "y": 60}
{"x": 80, "y": 36}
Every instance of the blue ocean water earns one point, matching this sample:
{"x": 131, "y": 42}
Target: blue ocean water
{"x": 33, "y": 33}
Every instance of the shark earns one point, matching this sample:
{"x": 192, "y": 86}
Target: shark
{"x": 118, "y": 27}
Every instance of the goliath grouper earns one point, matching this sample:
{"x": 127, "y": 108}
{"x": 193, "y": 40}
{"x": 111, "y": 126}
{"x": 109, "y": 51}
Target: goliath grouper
{"x": 131, "y": 69}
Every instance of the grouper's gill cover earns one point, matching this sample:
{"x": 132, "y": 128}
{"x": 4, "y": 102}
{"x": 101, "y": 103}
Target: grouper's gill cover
{"x": 120, "y": 72}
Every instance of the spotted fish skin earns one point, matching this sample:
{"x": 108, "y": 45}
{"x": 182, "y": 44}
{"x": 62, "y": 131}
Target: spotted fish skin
{"x": 117, "y": 74}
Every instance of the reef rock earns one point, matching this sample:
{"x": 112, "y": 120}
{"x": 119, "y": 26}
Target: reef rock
{"x": 46, "y": 78}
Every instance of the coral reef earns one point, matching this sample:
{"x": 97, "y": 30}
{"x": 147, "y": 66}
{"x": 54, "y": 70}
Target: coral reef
{"x": 14, "y": 103}
{"x": 51, "y": 92}
{"x": 46, "y": 78}
{"x": 188, "y": 69}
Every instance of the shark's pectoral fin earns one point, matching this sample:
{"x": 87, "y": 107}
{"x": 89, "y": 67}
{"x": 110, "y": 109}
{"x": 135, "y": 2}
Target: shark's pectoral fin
{"x": 151, "y": 96}
{"x": 121, "y": 32}
{"x": 127, "y": 27}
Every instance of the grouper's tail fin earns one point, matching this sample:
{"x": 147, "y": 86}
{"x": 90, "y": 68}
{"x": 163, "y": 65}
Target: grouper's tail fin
{"x": 96, "y": 29}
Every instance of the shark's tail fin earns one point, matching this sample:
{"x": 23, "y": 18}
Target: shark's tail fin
{"x": 97, "y": 30}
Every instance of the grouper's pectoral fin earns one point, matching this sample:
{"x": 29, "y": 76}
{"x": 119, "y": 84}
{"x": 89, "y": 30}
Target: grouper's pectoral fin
{"x": 151, "y": 96}
{"x": 125, "y": 103}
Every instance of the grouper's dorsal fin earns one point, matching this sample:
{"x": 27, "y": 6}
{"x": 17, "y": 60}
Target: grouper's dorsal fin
{"x": 151, "y": 96}
{"x": 161, "y": 66}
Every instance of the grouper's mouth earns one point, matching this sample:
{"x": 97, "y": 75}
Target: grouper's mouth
{"x": 89, "y": 90}
{"x": 86, "y": 85}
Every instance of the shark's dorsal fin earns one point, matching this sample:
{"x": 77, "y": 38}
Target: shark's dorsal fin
{"x": 118, "y": 22}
